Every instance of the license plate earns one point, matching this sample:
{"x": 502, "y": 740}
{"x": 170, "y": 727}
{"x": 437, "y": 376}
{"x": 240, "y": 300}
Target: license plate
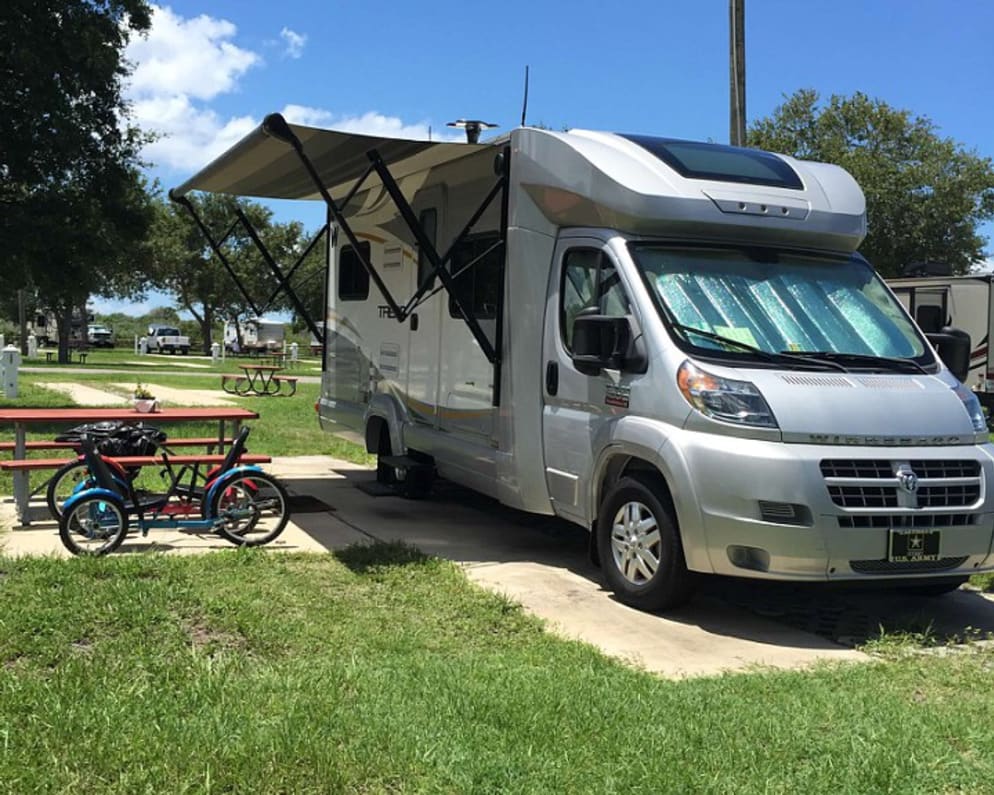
{"x": 907, "y": 546}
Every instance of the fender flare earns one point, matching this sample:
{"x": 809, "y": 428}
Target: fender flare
{"x": 220, "y": 482}
{"x": 106, "y": 494}
{"x": 389, "y": 409}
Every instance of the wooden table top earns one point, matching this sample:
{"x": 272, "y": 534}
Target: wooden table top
{"x": 83, "y": 414}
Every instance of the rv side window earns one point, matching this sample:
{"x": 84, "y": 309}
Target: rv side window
{"x": 479, "y": 286}
{"x": 353, "y": 278}
{"x": 589, "y": 282}
{"x": 429, "y": 223}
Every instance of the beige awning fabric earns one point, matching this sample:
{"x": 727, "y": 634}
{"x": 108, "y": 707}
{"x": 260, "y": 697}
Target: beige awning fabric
{"x": 262, "y": 165}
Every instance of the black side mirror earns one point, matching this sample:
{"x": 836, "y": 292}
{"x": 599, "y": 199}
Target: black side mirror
{"x": 953, "y": 347}
{"x": 602, "y": 341}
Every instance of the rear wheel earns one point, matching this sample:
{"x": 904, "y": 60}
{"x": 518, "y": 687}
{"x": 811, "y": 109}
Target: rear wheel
{"x": 72, "y": 478}
{"x": 251, "y": 509}
{"x": 639, "y": 546}
{"x": 93, "y": 526}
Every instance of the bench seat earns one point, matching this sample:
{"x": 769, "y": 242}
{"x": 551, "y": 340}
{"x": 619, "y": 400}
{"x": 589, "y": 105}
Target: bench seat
{"x": 205, "y": 441}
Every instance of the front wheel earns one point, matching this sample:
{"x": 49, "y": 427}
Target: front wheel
{"x": 93, "y": 526}
{"x": 640, "y": 549}
{"x": 251, "y": 509}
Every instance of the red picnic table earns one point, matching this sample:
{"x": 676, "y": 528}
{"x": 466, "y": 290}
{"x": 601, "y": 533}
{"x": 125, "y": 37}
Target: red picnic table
{"x": 22, "y": 418}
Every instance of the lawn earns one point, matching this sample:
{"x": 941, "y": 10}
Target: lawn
{"x": 379, "y": 670}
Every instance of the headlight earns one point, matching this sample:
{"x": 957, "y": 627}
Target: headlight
{"x": 972, "y": 406}
{"x": 724, "y": 399}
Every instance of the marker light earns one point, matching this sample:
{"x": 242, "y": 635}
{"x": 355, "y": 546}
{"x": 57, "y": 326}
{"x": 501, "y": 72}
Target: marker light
{"x": 973, "y": 408}
{"x": 723, "y": 399}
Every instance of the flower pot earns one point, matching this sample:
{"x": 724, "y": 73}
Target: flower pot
{"x": 145, "y": 405}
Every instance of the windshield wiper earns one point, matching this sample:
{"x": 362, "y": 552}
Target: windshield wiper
{"x": 889, "y": 363}
{"x": 768, "y": 356}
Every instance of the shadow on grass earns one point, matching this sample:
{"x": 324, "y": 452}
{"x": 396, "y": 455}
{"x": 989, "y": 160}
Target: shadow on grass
{"x": 369, "y": 558}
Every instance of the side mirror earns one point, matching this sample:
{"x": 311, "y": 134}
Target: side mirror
{"x": 953, "y": 347}
{"x": 602, "y": 341}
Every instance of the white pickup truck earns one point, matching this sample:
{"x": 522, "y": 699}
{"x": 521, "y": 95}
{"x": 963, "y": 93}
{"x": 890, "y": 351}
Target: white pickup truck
{"x": 167, "y": 339}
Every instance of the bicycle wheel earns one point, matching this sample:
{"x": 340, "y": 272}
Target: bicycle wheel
{"x": 70, "y": 479}
{"x": 93, "y": 526}
{"x": 251, "y": 509}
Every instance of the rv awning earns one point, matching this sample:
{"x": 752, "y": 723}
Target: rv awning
{"x": 265, "y": 166}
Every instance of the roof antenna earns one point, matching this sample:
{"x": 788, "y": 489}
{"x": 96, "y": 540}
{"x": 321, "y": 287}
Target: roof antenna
{"x": 473, "y": 128}
{"x": 524, "y": 105}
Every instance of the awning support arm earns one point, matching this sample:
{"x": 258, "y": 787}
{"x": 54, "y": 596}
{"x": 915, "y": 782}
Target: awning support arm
{"x": 300, "y": 261}
{"x": 276, "y": 125}
{"x": 284, "y": 285}
{"x": 422, "y": 288}
{"x": 425, "y": 246}
{"x": 215, "y": 246}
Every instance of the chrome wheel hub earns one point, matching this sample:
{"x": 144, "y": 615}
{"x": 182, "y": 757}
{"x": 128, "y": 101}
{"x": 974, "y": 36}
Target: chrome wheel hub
{"x": 635, "y": 542}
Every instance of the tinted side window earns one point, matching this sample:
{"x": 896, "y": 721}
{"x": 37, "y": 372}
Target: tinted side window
{"x": 353, "y": 278}
{"x": 479, "y": 287}
{"x": 589, "y": 282}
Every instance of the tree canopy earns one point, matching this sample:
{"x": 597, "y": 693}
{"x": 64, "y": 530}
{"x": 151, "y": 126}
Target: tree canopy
{"x": 926, "y": 195}
{"x": 74, "y": 205}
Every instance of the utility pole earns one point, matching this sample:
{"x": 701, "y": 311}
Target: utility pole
{"x": 736, "y": 73}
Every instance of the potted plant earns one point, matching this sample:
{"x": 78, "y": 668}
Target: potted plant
{"x": 144, "y": 400}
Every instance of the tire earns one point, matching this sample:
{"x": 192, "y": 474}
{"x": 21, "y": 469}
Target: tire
{"x": 184, "y": 351}
{"x": 68, "y": 480}
{"x": 94, "y": 526}
{"x": 250, "y": 510}
{"x": 639, "y": 546}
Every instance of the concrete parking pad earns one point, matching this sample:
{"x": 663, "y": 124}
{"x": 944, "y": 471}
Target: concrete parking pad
{"x": 84, "y": 395}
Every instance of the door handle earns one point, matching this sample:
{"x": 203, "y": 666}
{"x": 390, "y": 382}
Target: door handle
{"x": 414, "y": 321}
{"x": 552, "y": 378}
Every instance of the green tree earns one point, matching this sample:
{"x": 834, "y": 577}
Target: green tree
{"x": 185, "y": 265}
{"x": 925, "y": 194}
{"x": 74, "y": 206}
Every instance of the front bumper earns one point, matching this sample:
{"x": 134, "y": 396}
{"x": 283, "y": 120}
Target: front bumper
{"x": 808, "y": 512}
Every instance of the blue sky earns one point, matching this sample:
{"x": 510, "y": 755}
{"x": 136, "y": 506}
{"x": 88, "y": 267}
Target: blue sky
{"x": 209, "y": 71}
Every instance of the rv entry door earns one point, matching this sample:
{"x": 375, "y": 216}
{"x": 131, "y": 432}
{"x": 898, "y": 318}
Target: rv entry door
{"x": 576, "y": 403}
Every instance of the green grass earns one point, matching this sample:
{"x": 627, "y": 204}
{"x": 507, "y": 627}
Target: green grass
{"x": 380, "y": 670}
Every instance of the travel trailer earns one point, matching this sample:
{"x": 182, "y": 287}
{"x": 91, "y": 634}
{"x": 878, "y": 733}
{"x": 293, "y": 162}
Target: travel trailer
{"x": 254, "y": 335}
{"x": 963, "y": 302}
{"x": 672, "y": 344}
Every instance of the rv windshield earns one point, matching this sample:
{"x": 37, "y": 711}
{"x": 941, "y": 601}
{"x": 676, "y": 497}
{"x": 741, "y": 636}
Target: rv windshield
{"x": 780, "y": 307}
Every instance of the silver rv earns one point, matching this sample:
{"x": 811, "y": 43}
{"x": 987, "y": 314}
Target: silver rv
{"x": 672, "y": 344}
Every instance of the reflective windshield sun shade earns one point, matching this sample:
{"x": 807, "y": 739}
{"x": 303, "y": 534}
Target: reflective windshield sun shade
{"x": 792, "y": 303}
{"x": 695, "y": 160}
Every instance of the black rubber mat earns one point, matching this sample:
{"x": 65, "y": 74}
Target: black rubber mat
{"x": 305, "y": 503}
{"x": 376, "y": 489}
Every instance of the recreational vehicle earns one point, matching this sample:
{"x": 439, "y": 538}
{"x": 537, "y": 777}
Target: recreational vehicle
{"x": 255, "y": 335}
{"x": 672, "y": 344}
{"x": 964, "y": 302}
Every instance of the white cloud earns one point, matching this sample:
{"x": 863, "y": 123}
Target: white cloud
{"x": 294, "y": 42}
{"x": 189, "y": 57}
{"x": 183, "y": 64}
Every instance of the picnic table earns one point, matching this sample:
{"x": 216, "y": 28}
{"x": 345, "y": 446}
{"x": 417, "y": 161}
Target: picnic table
{"x": 22, "y": 419}
{"x": 259, "y": 379}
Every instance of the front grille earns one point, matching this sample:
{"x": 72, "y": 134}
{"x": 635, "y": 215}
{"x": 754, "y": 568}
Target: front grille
{"x": 884, "y": 521}
{"x": 946, "y": 469}
{"x": 946, "y": 496}
{"x": 875, "y": 484}
{"x": 892, "y": 567}
{"x": 856, "y": 468}
{"x": 863, "y": 496}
